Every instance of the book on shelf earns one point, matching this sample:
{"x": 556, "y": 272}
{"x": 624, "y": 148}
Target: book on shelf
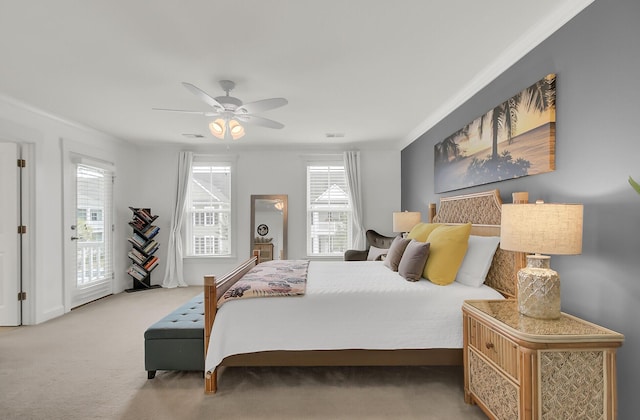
{"x": 135, "y": 258}
{"x": 151, "y": 231}
{"x": 152, "y": 245}
{"x": 140, "y": 240}
{"x": 139, "y": 269}
{"x": 135, "y": 243}
{"x": 139, "y": 254}
{"x": 136, "y": 272}
{"x": 137, "y": 223}
{"x": 147, "y": 264}
{"x": 151, "y": 264}
{"x": 143, "y": 214}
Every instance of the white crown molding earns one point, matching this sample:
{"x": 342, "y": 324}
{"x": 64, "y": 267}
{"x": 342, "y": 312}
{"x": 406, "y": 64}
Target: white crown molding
{"x": 522, "y": 46}
{"x": 45, "y": 114}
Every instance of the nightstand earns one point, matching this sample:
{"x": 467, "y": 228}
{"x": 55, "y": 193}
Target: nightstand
{"x": 516, "y": 367}
{"x": 266, "y": 250}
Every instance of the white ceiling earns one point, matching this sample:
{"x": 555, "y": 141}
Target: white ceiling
{"x": 377, "y": 71}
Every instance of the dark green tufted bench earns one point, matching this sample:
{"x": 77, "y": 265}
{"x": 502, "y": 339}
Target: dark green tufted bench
{"x": 176, "y": 342}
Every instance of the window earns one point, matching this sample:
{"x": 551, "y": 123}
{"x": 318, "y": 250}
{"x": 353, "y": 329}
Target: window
{"x": 205, "y": 245}
{"x": 96, "y": 215}
{"x": 204, "y": 218}
{"x": 329, "y": 216}
{"x": 208, "y": 208}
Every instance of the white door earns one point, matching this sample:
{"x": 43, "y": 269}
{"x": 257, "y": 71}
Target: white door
{"x": 89, "y": 233}
{"x": 9, "y": 238}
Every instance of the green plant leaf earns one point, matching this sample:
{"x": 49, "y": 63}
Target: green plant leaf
{"x": 635, "y": 185}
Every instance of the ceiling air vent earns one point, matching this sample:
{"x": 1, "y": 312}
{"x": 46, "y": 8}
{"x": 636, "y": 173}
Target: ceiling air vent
{"x": 193, "y": 136}
{"x": 334, "y": 135}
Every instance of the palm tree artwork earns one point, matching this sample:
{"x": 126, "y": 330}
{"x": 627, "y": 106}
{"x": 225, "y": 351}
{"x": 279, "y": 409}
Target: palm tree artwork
{"x": 516, "y": 138}
{"x": 634, "y": 184}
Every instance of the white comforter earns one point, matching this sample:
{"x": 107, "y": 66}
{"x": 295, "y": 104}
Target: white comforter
{"x": 347, "y": 305}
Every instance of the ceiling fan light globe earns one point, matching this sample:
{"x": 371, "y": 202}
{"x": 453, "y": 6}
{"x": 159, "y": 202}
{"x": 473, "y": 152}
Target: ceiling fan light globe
{"x": 217, "y": 128}
{"x": 236, "y": 129}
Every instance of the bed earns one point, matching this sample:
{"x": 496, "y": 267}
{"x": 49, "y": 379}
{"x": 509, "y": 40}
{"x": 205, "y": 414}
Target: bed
{"x": 376, "y": 317}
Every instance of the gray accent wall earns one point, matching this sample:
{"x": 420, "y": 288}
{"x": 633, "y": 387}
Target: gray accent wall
{"x": 596, "y": 57}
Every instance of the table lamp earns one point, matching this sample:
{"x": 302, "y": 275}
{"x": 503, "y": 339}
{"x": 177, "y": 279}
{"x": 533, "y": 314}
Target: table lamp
{"x": 541, "y": 228}
{"x": 404, "y": 221}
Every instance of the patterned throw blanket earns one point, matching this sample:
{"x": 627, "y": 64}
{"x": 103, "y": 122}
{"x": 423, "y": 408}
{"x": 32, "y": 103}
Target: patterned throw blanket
{"x": 270, "y": 278}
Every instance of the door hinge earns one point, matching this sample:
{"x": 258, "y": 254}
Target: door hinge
{"x": 22, "y": 296}
{"x": 22, "y": 229}
{"x": 22, "y": 163}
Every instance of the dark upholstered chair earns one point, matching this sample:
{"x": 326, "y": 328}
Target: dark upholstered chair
{"x": 373, "y": 239}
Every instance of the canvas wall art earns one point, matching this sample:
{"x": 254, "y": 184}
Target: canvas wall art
{"x": 514, "y": 139}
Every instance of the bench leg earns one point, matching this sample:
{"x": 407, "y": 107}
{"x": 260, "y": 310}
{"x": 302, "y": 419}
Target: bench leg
{"x": 151, "y": 374}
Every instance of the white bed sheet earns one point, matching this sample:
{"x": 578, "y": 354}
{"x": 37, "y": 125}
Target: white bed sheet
{"x": 347, "y": 305}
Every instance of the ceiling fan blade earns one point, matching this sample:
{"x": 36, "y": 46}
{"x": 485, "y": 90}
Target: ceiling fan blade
{"x": 261, "y": 106}
{"x": 263, "y": 122}
{"x": 182, "y": 111}
{"x": 204, "y": 96}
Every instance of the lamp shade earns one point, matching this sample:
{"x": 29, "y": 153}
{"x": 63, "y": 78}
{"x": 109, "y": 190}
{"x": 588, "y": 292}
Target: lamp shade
{"x": 404, "y": 221}
{"x": 554, "y": 229}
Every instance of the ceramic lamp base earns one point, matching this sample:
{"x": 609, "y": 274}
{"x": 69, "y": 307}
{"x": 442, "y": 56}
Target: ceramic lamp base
{"x": 539, "y": 289}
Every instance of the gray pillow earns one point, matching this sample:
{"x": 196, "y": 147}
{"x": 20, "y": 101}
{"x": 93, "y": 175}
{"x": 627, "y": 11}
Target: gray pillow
{"x": 375, "y": 254}
{"x": 395, "y": 252}
{"x": 413, "y": 260}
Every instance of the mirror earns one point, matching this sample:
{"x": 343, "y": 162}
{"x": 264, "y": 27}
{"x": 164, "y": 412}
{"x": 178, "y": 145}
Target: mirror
{"x": 269, "y": 226}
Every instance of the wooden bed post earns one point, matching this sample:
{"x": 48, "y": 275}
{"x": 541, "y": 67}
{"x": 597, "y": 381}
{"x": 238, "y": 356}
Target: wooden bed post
{"x": 432, "y": 212}
{"x": 210, "y": 304}
{"x": 212, "y": 288}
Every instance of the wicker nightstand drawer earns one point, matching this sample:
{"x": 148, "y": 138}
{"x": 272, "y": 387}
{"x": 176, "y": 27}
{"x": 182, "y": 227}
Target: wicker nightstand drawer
{"x": 497, "y": 348}
{"x": 500, "y": 395}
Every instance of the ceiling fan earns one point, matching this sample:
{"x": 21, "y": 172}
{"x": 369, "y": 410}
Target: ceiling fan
{"x": 230, "y": 112}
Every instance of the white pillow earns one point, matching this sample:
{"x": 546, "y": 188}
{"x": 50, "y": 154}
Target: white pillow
{"x": 376, "y": 253}
{"x": 477, "y": 260}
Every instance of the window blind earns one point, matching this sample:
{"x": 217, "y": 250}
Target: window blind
{"x": 94, "y": 207}
{"x": 329, "y": 215}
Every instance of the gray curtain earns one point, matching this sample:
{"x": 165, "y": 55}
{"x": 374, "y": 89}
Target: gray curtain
{"x": 352, "y": 172}
{"x": 173, "y": 275}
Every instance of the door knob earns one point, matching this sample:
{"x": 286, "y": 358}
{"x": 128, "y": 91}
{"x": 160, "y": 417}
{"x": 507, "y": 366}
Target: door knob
{"x": 74, "y": 238}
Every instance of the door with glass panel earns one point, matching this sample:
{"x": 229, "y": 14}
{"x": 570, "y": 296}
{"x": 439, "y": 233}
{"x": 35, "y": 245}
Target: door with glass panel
{"x": 92, "y": 234}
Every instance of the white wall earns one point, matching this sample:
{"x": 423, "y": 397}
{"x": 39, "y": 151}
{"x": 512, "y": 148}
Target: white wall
{"x": 264, "y": 171}
{"x": 46, "y": 287}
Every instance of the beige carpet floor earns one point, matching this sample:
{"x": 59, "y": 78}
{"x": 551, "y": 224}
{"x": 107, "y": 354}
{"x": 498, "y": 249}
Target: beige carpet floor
{"x": 89, "y": 364}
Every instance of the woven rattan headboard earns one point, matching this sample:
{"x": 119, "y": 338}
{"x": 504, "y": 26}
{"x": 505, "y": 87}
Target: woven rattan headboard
{"x": 484, "y": 210}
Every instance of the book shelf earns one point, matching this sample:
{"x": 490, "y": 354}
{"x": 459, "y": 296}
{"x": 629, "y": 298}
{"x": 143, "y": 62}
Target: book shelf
{"x": 143, "y": 246}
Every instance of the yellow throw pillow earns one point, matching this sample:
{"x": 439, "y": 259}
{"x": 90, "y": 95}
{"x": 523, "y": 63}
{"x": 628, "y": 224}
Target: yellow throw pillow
{"x": 421, "y": 231}
{"x": 448, "y": 247}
